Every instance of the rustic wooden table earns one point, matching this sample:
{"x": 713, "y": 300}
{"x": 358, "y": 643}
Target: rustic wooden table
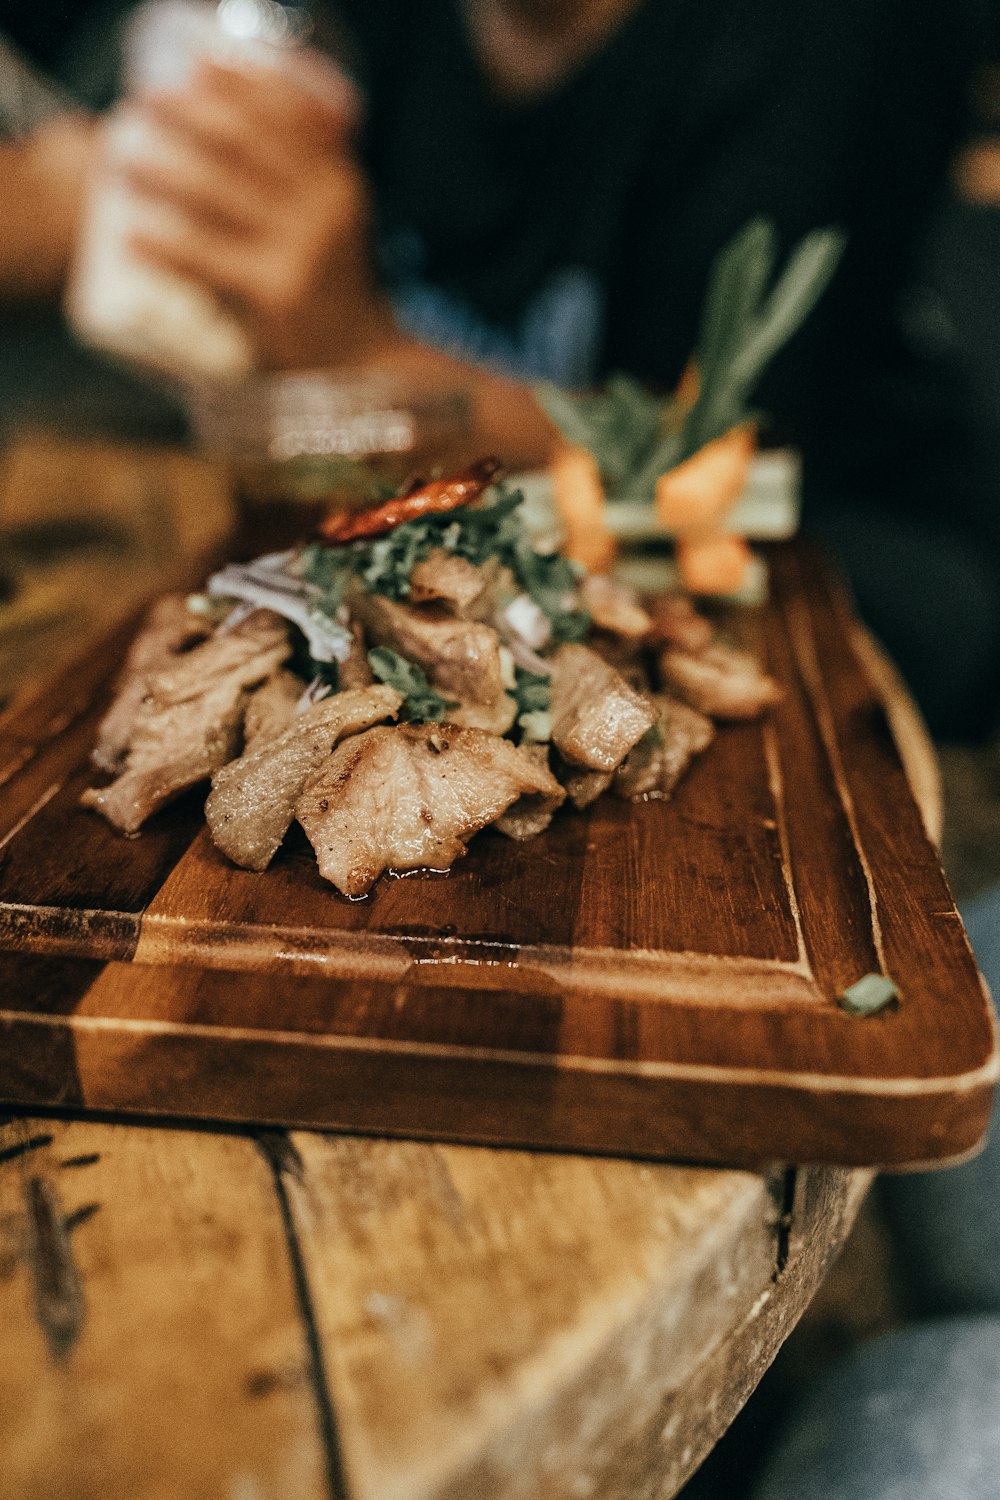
{"x": 283, "y": 1316}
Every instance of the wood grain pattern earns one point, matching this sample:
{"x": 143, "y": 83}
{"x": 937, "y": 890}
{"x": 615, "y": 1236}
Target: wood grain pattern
{"x": 88, "y": 530}
{"x": 343, "y": 1319}
{"x": 651, "y": 980}
{"x": 153, "y": 1339}
{"x": 165, "y": 1351}
{"x": 510, "y": 1329}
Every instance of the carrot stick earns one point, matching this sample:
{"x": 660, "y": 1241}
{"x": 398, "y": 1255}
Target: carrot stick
{"x": 712, "y": 564}
{"x": 579, "y": 498}
{"x": 702, "y": 488}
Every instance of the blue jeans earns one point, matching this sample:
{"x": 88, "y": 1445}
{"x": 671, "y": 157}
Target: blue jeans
{"x": 945, "y": 1226}
{"x": 915, "y": 1415}
{"x": 912, "y": 1416}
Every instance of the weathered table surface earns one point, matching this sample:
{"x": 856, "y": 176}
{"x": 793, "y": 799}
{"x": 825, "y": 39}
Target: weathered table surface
{"x": 282, "y": 1316}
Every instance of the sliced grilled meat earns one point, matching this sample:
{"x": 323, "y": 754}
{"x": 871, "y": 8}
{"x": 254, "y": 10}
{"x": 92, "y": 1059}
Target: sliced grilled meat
{"x": 676, "y": 623}
{"x": 191, "y": 719}
{"x": 252, "y": 801}
{"x": 656, "y": 764}
{"x": 270, "y": 707}
{"x": 614, "y": 607}
{"x": 449, "y": 580}
{"x": 596, "y": 716}
{"x": 532, "y": 813}
{"x": 355, "y": 671}
{"x": 584, "y": 787}
{"x": 720, "y": 681}
{"x": 461, "y": 658}
{"x": 410, "y": 797}
{"x": 169, "y": 629}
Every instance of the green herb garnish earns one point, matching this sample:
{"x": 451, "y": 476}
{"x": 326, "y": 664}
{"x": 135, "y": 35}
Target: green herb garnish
{"x": 421, "y": 704}
{"x": 749, "y": 314}
{"x": 479, "y": 534}
{"x": 533, "y": 691}
{"x": 328, "y": 570}
{"x": 869, "y": 995}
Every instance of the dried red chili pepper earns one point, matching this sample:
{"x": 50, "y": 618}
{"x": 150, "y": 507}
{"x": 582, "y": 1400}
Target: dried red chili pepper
{"x": 427, "y": 499}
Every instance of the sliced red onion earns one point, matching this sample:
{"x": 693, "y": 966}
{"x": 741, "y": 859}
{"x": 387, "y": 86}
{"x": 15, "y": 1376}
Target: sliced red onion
{"x": 265, "y": 587}
{"x": 524, "y": 618}
{"x": 314, "y": 693}
{"x": 525, "y": 658}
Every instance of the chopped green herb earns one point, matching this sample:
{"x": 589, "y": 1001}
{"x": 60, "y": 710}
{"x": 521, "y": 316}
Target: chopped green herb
{"x": 532, "y": 691}
{"x": 420, "y": 702}
{"x": 552, "y": 582}
{"x": 750, "y": 311}
{"x": 385, "y": 564}
{"x": 869, "y": 995}
{"x": 479, "y": 534}
{"x": 328, "y": 571}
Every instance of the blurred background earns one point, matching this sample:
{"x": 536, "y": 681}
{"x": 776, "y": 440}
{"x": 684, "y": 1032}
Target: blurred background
{"x": 901, "y": 449}
{"x": 905, "y": 490}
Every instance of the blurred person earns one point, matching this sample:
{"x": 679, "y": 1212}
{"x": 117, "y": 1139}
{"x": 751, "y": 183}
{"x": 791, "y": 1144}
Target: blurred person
{"x": 49, "y": 141}
{"x": 537, "y": 191}
{"x": 46, "y": 148}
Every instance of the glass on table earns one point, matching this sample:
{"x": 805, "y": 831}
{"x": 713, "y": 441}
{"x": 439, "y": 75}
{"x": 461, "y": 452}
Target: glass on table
{"x": 312, "y": 439}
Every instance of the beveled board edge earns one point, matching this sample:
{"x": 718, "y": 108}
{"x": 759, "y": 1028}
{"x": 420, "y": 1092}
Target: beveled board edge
{"x": 162, "y": 1070}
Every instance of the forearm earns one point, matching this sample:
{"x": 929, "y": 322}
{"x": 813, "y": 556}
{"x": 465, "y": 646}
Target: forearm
{"x": 41, "y": 180}
{"x": 32, "y": 253}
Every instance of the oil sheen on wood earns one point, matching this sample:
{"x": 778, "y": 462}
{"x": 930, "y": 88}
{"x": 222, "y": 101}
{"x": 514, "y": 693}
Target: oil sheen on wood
{"x": 658, "y": 979}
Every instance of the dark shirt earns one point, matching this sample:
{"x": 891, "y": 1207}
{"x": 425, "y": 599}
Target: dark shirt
{"x": 572, "y": 235}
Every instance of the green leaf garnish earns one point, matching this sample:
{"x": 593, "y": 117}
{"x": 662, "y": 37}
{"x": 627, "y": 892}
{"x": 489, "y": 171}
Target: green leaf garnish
{"x": 550, "y": 580}
{"x": 869, "y": 995}
{"x": 617, "y": 423}
{"x": 744, "y": 325}
{"x": 421, "y": 704}
{"x": 329, "y": 573}
{"x": 490, "y": 531}
{"x": 747, "y": 317}
{"x": 532, "y": 692}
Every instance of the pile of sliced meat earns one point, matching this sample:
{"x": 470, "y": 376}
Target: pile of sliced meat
{"x": 628, "y": 713}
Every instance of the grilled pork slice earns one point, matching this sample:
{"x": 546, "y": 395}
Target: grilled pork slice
{"x": 720, "y": 681}
{"x": 191, "y": 719}
{"x": 461, "y": 658}
{"x": 410, "y": 797}
{"x": 656, "y": 764}
{"x": 270, "y": 707}
{"x": 678, "y": 624}
{"x": 446, "y": 579}
{"x": 584, "y": 787}
{"x": 596, "y": 716}
{"x": 169, "y": 629}
{"x": 614, "y": 607}
{"x": 532, "y": 813}
{"x": 252, "y": 801}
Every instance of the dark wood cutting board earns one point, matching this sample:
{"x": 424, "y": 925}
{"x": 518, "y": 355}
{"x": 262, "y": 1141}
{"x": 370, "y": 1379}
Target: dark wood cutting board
{"x": 659, "y": 979}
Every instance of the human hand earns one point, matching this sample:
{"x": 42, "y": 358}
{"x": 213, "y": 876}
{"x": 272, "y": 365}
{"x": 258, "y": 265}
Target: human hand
{"x": 266, "y": 206}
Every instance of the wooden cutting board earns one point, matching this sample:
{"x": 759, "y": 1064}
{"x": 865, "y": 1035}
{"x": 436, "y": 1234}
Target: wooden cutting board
{"x": 656, "y": 979}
